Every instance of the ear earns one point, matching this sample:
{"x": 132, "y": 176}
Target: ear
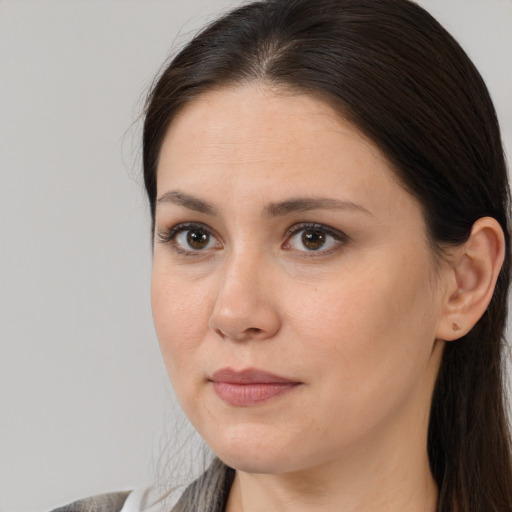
{"x": 474, "y": 269}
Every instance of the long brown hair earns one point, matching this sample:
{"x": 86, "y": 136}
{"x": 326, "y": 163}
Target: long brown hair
{"x": 397, "y": 74}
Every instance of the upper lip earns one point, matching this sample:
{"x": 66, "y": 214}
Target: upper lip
{"x": 248, "y": 376}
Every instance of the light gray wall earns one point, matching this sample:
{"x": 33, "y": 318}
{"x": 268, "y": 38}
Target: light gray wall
{"x": 83, "y": 393}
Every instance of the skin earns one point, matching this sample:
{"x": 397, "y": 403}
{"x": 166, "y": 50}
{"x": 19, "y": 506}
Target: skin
{"x": 357, "y": 322}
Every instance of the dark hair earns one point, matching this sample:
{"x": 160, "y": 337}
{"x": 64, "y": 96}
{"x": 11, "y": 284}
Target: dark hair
{"x": 392, "y": 70}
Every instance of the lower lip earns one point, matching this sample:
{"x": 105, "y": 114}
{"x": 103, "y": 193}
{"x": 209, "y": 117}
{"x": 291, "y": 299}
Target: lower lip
{"x": 245, "y": 395}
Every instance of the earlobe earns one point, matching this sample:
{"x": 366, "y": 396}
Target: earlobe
{"x": 475, "y": 268}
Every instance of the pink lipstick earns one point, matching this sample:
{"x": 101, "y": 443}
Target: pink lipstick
{"x": 249, "y": 387}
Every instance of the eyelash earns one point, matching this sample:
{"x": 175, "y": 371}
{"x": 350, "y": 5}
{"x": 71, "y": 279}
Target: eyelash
{"x": 340, "y": 237}
{"x": 168, "y": 237}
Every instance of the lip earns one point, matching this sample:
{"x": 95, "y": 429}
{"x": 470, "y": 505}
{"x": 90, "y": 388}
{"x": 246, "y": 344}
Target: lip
{"x": 250, "y": 386}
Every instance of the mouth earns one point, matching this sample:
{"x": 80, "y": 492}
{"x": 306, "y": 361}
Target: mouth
{"x": 249, "y": 387}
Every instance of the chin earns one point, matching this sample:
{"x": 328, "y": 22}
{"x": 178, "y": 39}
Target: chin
{"x": 250, "y": 463}
{"x": 251, "y": 449}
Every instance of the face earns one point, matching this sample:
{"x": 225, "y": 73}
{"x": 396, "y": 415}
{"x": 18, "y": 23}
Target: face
{"x": 294, "y": 295}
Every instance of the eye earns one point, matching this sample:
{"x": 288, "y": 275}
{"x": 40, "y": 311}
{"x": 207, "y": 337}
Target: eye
{"x": 189, "y": 238}
{"x": 196, "y": 239}
{"x": 314, "y": 238}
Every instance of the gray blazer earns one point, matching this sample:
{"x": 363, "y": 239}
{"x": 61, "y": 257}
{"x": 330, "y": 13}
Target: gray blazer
{"x": 111, "y": 502}
{"x": 208, "y": 493}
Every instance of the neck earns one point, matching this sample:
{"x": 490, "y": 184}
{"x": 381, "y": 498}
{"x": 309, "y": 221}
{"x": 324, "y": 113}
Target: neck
{"x": 384, "y": 486}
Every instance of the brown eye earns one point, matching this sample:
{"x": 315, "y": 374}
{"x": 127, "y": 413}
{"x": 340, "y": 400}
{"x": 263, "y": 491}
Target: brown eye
{"x": 313, "y": 239}
{"x": 191, "y": 239}
{"x": 198, "y": 238}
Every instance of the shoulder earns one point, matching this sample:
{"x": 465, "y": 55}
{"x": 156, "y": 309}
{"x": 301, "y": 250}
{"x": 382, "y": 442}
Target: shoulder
{"x": 208, "y": 494}
{"x": 140, "y": 500}
{"x": 111, "y": 502}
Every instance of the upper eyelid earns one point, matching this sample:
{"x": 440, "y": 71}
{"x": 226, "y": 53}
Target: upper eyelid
{"x": 171, "y": 232}
{"x": 297, "y": 228}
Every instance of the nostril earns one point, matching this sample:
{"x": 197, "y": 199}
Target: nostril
{"x": 247, "y": 334}
{"x": 253, "y": 330}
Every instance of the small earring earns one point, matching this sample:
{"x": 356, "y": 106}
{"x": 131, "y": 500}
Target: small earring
{"x": 455, "y": 326}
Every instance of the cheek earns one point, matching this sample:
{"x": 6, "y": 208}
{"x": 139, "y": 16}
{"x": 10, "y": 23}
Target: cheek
{"x": 370, "y": 332}
{"x": 181, "y": 320}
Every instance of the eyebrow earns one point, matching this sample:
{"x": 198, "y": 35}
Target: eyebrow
{"x": 189, "y": 202}
{"x": 271, "y": 210}
{"x": 304, "y": 204}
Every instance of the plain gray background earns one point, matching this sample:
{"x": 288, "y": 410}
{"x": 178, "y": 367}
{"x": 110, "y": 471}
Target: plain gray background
{"x": 84, "y": 399}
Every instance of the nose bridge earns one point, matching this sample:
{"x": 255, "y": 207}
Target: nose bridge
{"x": 243, "y": 267}
{"x": 243, "y": 307}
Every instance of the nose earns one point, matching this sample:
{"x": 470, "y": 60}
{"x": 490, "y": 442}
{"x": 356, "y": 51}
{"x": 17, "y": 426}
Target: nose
{"x": 245, "y": 305}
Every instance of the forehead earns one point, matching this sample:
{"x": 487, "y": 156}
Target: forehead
{"x": 251, "y": 116}
{"x": 250, "y": 141}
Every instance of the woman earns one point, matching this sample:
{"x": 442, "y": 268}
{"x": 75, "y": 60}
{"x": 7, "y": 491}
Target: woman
{"x": 331, "y": 265}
